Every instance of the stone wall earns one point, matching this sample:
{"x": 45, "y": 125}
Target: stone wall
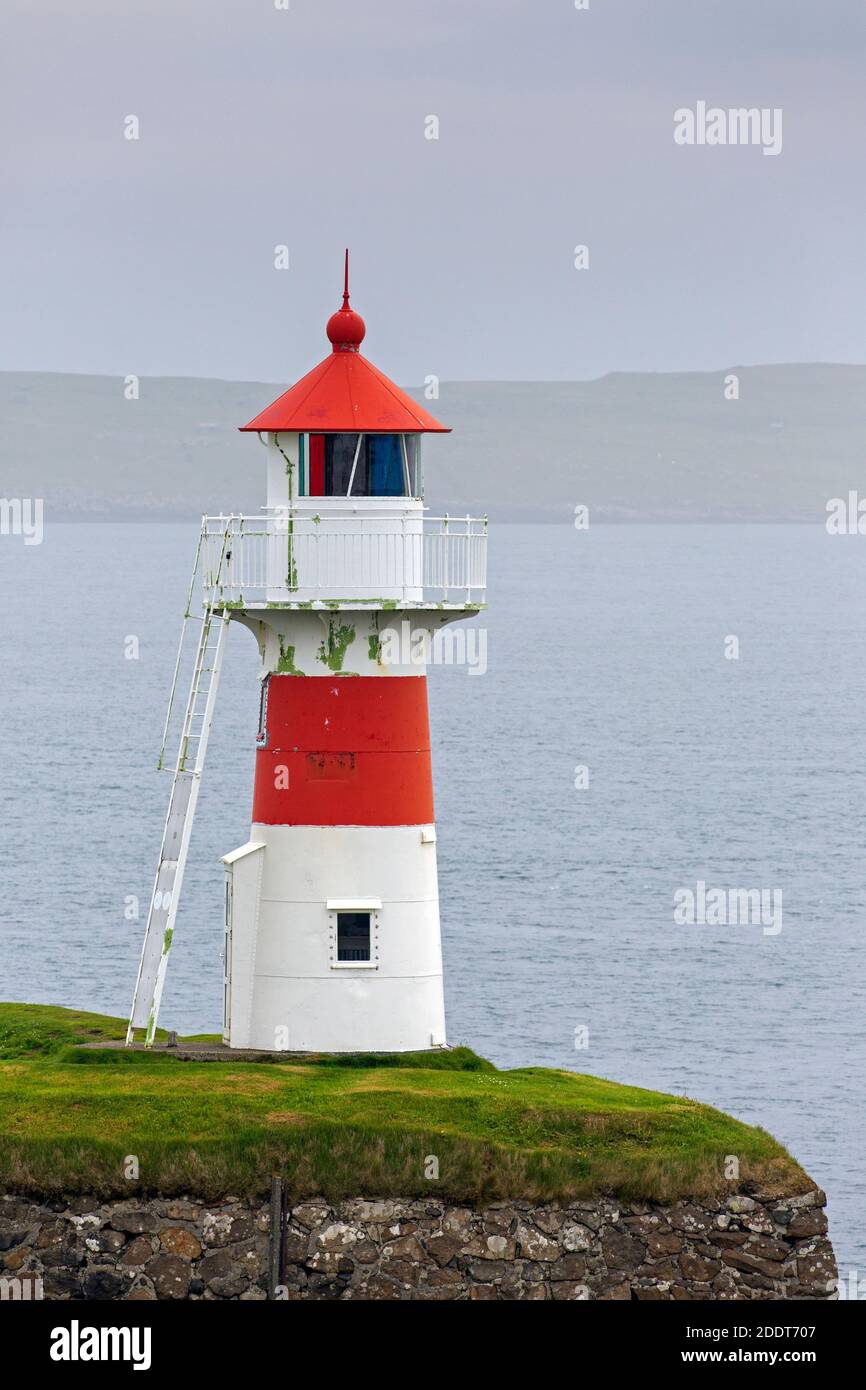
{"x": 742, "y": 1247}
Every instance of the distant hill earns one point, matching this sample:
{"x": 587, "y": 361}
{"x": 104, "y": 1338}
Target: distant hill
{"x": 631, "y": 446}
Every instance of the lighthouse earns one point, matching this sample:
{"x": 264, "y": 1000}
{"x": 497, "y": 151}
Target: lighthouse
{"x": 331, "y": 932}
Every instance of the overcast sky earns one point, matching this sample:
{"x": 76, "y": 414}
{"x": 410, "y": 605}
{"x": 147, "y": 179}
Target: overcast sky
{"x": 306, "y": 127}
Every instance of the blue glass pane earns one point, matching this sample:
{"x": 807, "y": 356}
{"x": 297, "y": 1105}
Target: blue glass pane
{"x": 386, "y": 465}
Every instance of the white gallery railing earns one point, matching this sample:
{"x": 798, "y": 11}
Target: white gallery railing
{"x": 251, "y": 561}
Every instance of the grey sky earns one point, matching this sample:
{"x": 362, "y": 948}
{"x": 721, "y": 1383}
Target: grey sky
{"x": 306, "y": 127}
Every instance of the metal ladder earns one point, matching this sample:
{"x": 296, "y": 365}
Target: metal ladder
{"x": 186, "y": 782}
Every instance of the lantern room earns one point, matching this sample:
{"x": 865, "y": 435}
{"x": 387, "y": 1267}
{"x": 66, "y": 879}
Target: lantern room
{"x": 344, "y": 430}
{"x": 344, "y": 519}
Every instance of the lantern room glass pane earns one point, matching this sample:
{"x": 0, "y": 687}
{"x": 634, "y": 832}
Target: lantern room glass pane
{"x": 378, "y": 472}
{"x": 339, "y": 457}
{"x": 316, "y": 471}
{"x": 413, "y": 459}
{"x": 384, "y": 465}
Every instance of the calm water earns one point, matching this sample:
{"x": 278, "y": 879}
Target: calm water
{"x": 605, "y": 648}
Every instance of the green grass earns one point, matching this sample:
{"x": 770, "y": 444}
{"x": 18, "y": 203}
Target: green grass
{"x": 342, "y": 1126}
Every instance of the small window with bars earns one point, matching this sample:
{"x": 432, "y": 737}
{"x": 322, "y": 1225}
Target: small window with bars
{"x": 353, "y": 937}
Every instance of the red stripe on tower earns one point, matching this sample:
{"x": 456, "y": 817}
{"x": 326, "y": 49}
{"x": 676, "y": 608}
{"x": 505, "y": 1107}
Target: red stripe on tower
{"x": 352, "y": 750}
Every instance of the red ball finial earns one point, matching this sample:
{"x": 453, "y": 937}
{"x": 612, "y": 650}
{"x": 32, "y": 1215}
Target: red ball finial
{"x": 345, "y": 328}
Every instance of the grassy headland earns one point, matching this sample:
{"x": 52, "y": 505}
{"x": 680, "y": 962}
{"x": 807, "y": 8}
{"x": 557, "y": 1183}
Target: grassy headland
{"x": 347, "y": 1126}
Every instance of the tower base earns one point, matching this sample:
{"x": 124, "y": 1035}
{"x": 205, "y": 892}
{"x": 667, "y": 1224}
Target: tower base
{"x": 332, "y": 940}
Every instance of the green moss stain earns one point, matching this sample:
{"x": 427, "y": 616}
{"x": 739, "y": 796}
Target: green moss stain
{"x": 333, "y": 651}
{"x": 292, "y": 573}
{"x": 286, "y": 664}
{"x": 166, "y": 940}
{"x": 374, "y": 641}
{"x": 334, "y": 604}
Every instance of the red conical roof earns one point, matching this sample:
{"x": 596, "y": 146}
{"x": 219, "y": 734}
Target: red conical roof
{"x": 345, "y": 393}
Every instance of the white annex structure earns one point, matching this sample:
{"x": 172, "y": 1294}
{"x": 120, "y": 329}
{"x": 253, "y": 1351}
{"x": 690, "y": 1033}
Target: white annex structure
{"x": 332, "y": 938}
